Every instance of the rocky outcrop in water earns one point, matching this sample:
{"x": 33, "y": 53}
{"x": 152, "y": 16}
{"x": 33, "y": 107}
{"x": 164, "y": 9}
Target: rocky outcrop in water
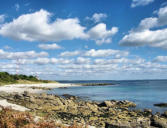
{"x": 161, "y": 105}
{"x": 69, "y": 109}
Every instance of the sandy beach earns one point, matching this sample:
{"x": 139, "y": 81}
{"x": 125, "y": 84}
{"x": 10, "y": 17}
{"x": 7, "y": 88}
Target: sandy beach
{"x": 33, "y": 88}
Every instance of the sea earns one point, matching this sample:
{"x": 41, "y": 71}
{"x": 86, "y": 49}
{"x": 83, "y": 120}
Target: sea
{"x": 145, "y": 93}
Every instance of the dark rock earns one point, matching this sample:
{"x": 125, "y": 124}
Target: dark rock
{"x": 106, "y": 104}
{"x": 143, "y": 122}
{"x": 157, "y": 113}
{"x": 161, "y": 105}
{"x": 165, "y": 114}
{"x": 17, "y": 96}
{"x": 26, "y": 94}
{"x": 159, "y": 122}
{"x": 63, "y": 87}
{"x": 68, "y": 96}
{"x": 148, "y": 112}
{"x": 97, "y": 84}
{"x": 102, "y": 104}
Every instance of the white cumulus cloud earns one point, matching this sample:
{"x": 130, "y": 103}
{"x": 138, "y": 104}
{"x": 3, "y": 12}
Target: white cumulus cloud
{"x": 101, "y": 35}
{"x": 38, "y": 27}
{"x": 152, "y": 22}
{"x": 97, "y": 17}
{"x": 70, "y": 53}
{"x": 136, "y": 3}
{"x": 49, "y": 46}
{"x": 144, "y": 34}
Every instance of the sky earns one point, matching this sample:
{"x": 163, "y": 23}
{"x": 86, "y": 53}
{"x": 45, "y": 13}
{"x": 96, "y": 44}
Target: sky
{"x": 84, "y": 39}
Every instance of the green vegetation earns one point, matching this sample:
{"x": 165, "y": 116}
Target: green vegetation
{"x": 6, "y": 78}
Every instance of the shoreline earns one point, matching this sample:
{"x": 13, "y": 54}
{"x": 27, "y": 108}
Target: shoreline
{"x": 42, "y": 87}
{"x": 33, "y": 88}
{"x": 69, "y": 109}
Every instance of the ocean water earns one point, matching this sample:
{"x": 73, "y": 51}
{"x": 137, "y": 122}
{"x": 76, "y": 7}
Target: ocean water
{"x": 144, "y": 93}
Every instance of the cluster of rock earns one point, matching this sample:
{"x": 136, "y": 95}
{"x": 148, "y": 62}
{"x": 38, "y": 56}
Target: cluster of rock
{"x": 96, "y": 84}
{"x": 70, "y": 109}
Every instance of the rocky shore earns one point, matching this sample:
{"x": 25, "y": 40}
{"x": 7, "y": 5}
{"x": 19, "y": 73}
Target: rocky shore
{"x": 69, "y": 109}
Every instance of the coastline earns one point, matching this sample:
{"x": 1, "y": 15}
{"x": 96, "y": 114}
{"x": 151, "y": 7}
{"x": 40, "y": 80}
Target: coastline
{"x": 42, "y": 87}
{"x": 33, "y": 88}
{"x": 70, "y": 109}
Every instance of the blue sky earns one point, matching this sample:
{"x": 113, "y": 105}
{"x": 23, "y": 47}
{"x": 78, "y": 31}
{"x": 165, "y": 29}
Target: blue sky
{"x": 84, "y": 39}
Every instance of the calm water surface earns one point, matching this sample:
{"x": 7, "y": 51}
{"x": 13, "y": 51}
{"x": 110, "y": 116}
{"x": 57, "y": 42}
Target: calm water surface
{"x": 144, "y": 93}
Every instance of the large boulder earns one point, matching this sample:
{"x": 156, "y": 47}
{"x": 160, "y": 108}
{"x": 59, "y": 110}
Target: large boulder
{"x": 107, "y": 104}
{"x": 148, "y": 112}
{"x": 118, "y": 125}
{"x": 126, "y": 103}
{"x": 165, "y": 114}
{"x": 159, "y": 122}
{"x": 140, "y": 122}
{"x": 113, "y": 103}
{"x": 68, "y": 96}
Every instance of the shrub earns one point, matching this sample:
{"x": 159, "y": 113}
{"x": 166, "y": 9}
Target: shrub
{"x": 9, "y": 78}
